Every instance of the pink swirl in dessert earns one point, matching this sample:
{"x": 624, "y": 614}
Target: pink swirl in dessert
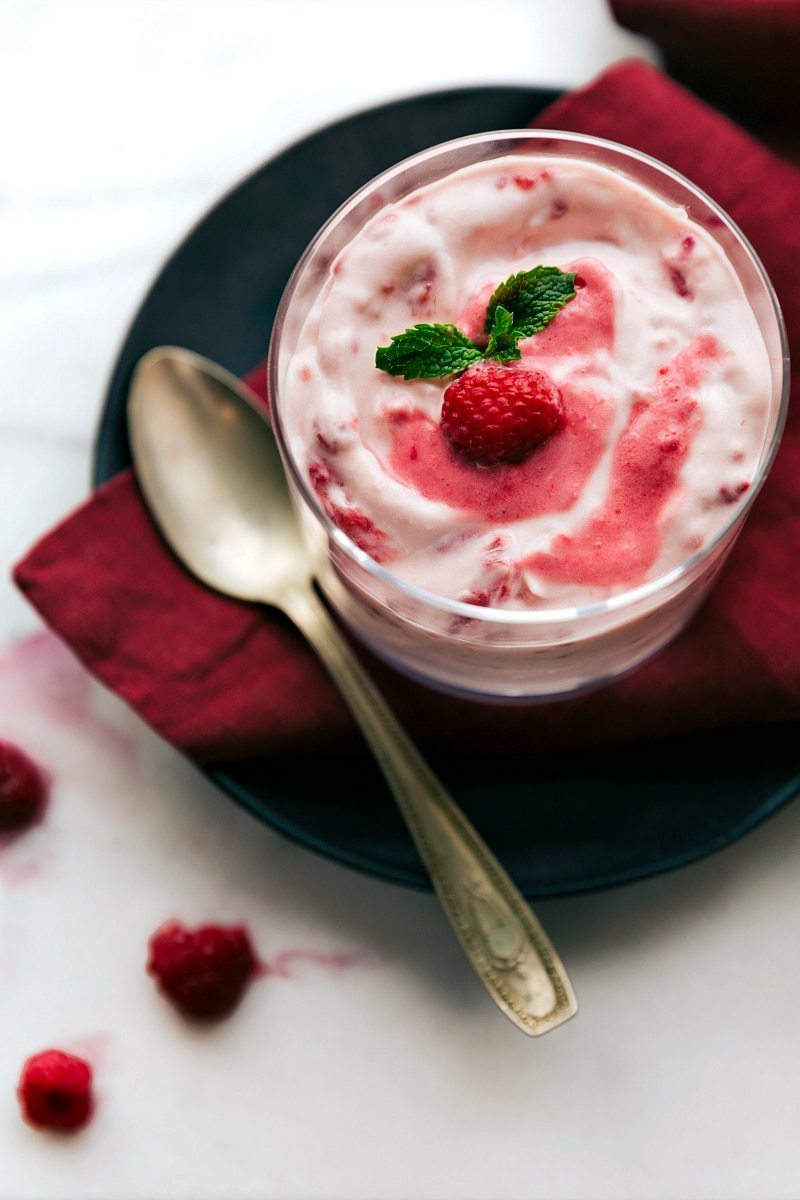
{"x": 661, "y": 366}
{"x": 620, "y": 541}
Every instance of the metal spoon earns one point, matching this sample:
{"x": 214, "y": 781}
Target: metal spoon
{"x": 211, "y": 473}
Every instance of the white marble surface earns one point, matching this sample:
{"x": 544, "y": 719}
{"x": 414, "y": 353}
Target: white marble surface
{"x": 393, "y": 1078}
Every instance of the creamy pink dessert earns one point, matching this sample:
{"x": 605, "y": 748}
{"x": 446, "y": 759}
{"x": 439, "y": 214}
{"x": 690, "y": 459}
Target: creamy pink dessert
{"x": 663, "y": 373}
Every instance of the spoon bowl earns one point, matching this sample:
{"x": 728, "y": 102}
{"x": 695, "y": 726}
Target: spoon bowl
{"x": 210, "y": 469}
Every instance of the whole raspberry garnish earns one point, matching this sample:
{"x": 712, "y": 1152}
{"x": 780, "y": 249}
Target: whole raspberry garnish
{"x": 55, "y": 1091}
{"x": 496, "y": 413}
{"x": 22, "y": 789}
{"x": 203, "y": 971}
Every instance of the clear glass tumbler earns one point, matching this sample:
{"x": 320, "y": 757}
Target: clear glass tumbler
{"x": 494, "y": 653}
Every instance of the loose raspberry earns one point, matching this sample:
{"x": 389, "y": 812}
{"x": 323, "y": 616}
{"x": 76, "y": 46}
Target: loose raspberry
{"x": 22, "y": 789}
{"x": 203, "y": 971}
{"x": 55, "y": 1091}
{"x": 496, "y": 412}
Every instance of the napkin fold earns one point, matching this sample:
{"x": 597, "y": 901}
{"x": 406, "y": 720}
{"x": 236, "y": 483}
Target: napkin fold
{"x": 222, "y": 679}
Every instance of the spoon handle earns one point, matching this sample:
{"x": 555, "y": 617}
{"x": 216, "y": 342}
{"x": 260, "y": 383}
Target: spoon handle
{"x": 498, "y": 932}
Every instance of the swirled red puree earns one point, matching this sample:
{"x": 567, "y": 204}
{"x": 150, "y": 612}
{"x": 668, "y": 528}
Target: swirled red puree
{"x": 662, "y": 370}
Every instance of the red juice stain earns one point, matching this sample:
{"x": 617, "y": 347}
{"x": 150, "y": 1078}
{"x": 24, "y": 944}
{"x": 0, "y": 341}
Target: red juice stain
{"x": 621, "y": 541}
{"x": 336, "y": 961}
{"x": 41, "y": 673}
{"x": 17, "y": 874}
{"x": 93, "y": 1046}
{"x": 548, "y": 480}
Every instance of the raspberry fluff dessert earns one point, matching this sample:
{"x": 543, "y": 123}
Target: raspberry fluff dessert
{"x": 653, "y": 383}
{"x": 537, "y": 380}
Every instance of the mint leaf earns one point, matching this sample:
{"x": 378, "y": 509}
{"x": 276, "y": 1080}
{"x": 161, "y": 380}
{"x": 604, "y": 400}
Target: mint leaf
{"x": 520, "y": 307}
{"x": 428, "y": 352}
{"x": 502, "y": 340}
{"x": 533, "y": 298}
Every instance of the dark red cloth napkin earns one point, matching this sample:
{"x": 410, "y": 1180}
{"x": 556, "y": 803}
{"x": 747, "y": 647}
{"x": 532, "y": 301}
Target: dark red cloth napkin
{"x": 222, "y": 679}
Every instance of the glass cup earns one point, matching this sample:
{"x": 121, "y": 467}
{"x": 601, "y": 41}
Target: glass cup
{"x": 494, "y": 653}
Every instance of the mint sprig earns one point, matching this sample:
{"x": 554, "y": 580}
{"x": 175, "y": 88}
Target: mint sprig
{"x": 533, "y": 298}
{"x": 525, "y": 304}
{"x": 428, "y": 352}
{"x": 502, "y": 343}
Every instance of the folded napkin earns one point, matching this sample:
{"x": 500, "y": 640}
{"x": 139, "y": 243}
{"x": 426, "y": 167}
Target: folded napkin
{"x": 222, "y": 679}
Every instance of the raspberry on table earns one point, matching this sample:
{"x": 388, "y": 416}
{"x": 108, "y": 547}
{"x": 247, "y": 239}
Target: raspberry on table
{"x": 22, "y": 789}
{"x": 204, "y": 971}
{"x": 496, "y": 412}
{"x": 55, "y": 1091}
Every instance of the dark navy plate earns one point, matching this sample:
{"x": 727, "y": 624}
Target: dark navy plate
{"x": 591, "y": 822}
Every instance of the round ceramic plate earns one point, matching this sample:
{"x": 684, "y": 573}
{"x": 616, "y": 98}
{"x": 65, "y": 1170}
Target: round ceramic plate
{"x": 591, "y": 822}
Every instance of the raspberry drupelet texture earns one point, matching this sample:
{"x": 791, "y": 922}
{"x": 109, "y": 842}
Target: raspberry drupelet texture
{"x": 55, "y": 1091}
{"x": 204, "y": 971}
{"x": 22, "y": 789}
{"x": 496, "y": 412}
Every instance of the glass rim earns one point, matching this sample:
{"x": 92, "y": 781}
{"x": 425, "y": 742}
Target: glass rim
{"x": 521, "y": 617}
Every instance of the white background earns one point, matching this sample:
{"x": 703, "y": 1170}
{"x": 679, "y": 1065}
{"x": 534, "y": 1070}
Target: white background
{"x": 394, "y": 1077}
